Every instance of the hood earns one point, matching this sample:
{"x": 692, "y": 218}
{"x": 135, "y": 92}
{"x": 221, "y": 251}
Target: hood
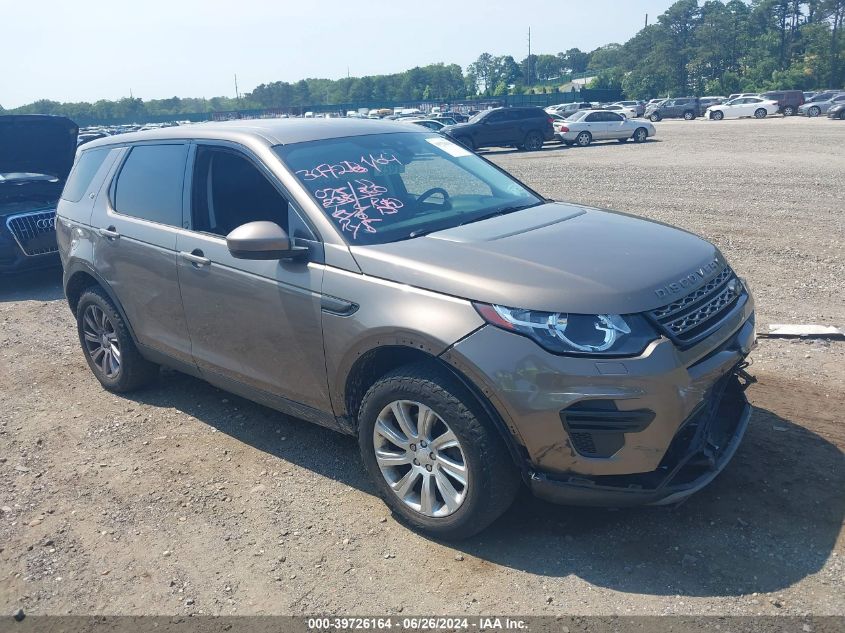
{"x": 37, "y": 143}
{"x": 555, "y": 257}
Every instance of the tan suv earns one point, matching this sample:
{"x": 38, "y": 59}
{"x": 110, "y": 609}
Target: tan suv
{"x": 384, "y": 281}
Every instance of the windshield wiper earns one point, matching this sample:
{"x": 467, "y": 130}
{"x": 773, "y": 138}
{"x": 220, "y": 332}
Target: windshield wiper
{"x": 503, "y": 211}
{"x": 497, "y": 212}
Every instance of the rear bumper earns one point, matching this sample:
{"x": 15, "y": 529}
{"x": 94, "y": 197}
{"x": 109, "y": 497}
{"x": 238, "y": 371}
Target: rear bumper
{"x": 701, "y": 449}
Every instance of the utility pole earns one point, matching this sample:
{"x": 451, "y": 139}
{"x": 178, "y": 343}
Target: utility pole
{"x": 528, "y": 60}
{"x": 237, "y": 94}
{"x": 646, "y": 19}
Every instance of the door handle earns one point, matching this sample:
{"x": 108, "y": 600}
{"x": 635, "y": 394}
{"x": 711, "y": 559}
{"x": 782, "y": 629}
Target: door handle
{"x": 109, "y": 233}
{"x": 195, "y": 257}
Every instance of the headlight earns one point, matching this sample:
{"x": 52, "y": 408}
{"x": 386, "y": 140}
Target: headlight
{"x": 578, "y": 334}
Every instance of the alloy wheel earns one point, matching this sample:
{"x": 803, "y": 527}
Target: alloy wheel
{"x": 101, "y": 341}
{"x": 584, "y": 139}
{"x": 533, "y": 142}
{"x": 815, "y": 111}
{"x": 420, "y": 458}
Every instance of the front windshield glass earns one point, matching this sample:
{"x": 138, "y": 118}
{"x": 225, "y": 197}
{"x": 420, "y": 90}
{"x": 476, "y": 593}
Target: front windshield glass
{"x": 387, "y": 187}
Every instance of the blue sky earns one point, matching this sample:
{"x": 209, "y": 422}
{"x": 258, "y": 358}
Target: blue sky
{"x": 96, "y": 49}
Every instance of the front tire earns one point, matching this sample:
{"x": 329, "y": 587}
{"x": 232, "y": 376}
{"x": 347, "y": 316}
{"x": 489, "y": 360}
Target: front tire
{"x": 814, "y": 111}
{"x": 718, "y": 115}
{"x": 842, "y": 115}
{"x": 466, "y": 141}
{"x": 654, "y": 118}
{"x": 107, "y": 345}
{"x": 788, "y": 110}
{"x": 689, "y": 115}
{"x": 640, "y": 135}
{"x": 760, "y": 113}
{"x": 433, "y": 453}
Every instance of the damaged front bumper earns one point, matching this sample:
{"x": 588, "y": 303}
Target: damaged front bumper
{"x": 702, "y": 448}
{"x": 629, "y": 431}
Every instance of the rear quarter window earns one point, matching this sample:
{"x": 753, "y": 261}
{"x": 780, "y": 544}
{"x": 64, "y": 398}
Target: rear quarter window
{"x": 149, "y": 185}
{"x": 83, "y": 173}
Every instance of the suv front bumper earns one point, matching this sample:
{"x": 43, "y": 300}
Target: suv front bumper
{"x": 626, "y": 431}
{"x": 14, "y": 260}
{"x": 701, "y": 449}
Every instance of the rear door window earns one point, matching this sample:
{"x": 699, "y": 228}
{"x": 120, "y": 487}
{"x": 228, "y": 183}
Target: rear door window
{"x": 149, "y": 185}
{"x": 83, "y": 173}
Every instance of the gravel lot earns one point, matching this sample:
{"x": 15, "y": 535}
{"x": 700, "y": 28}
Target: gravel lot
{"x": 183, "y": 499}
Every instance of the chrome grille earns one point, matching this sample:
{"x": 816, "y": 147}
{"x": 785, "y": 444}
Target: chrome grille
{"x": 691, "y": 316}
{"x": 35, "y": 232}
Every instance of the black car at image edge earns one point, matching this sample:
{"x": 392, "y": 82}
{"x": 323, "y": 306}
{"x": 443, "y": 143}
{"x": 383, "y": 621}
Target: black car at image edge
{"x": 36, "y": 156}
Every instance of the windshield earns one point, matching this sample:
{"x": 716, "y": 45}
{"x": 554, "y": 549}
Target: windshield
{"x": 387, "y": 187}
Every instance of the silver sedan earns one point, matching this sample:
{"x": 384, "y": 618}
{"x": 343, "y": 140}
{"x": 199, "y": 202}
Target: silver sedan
{"x": 585, "y": 126}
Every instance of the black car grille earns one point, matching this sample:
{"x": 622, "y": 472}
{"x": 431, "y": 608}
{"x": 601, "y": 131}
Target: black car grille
{"x": 690, "y": 317}
{"x": 34, "y": 232}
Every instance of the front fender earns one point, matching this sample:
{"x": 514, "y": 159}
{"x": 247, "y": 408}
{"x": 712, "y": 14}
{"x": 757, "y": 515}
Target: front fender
{"x": 388, "y": 315}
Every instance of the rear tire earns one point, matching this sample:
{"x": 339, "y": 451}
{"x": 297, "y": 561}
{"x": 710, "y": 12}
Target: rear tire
{"x": 583, "y": 139}
{"x": 533, "y": 142}
{"x": 760, "y": 113}
{"x": 418, "y": 471}
{"x": 788, "y": 110}
{"x": 107, "y": 345}
{"x": 842, "y": 115}
{"x": 689, "y": 115}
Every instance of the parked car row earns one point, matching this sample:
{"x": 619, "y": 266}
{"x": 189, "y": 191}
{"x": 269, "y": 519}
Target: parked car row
{"x": 785, "y": 102}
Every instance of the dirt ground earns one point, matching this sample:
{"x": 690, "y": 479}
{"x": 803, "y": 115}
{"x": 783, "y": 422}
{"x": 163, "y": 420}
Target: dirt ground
{"x": 182, "y": 499}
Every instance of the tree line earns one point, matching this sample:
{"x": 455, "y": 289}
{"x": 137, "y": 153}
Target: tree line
{"x": 721, "y": 47}
{"x": 716, "y": 47}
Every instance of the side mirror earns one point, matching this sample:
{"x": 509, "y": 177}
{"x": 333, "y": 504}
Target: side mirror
{"x": 262, "y": 240}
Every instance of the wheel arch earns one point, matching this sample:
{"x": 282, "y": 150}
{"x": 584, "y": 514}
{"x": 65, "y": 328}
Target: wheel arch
{"x": 379, "y": 361}
{"x": 79, "y": 276}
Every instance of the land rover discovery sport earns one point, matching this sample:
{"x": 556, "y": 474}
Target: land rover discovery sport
{"x": 388, "y": 283}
